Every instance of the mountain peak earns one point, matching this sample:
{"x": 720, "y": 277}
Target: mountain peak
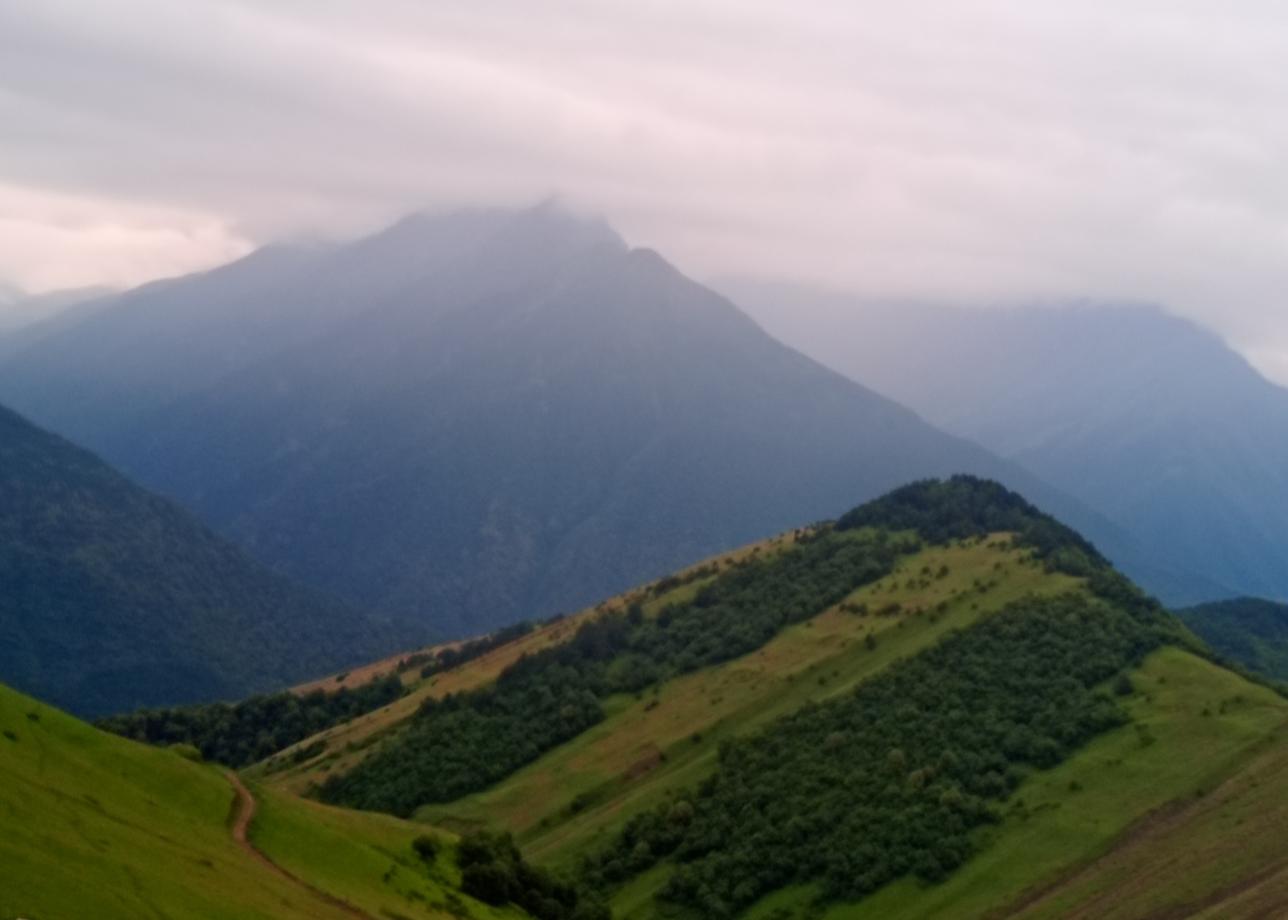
{"x": 548, "y": 218}
{"x": 555, "y": 215}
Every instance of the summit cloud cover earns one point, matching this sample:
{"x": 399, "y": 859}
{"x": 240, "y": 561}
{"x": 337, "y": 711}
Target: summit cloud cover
{"x": 982, "y": 151}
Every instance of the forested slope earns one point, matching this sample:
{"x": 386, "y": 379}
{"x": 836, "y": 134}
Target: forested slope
{"x": 113, "y": 597}
{"x": 1248, "y": 630}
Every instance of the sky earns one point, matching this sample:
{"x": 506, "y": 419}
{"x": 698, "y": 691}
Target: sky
{"x": 974, "y": 152}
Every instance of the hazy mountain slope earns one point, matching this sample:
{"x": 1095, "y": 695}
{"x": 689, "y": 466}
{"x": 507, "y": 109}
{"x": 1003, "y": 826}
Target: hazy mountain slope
{"x": 997, "y": 712}
{"x": 1248, "y": 630}
{"x": 114, "y": 598}
{"x": 493, "y": 416}
{"x": 93, "y": 379}
{"x": 1141, "y": 415}
{"x": 95, "y": 826}
{"x": 19, "y": 311}
{"x": 40, "y": 316}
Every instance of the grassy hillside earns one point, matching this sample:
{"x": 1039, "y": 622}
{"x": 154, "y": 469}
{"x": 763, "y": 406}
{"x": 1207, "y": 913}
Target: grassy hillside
{"x": 92, "y": 825}
{"x": 114, "y": 598}
{"x": 1185, "y": 796}
{"x": 1056, "y": 736}
{"x": 344, "y": 746}
{"x": 653, "y": 745}
{"x": 1248, "y": 630}
{"x": 945, "y": 704}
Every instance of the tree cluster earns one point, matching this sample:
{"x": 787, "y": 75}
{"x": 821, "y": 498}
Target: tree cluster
{"x": 465, "y": 742}
{"x": 943, "y": 510}
{"x": 493, "y": 870}
{"x": 891, "y": 779}
{"x": 238, "y": 734}
{"x": 1251, "y": 632}
{"x": 457, "y": 655}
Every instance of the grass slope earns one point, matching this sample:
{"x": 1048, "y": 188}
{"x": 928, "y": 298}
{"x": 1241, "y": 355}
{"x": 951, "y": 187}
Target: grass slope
{"x": 1176, "y": 813}
{"x": 1150, "y": 817}
{"x": 92, "y": 825}
{"x": 348, "y": 744}
{"x": 365, "y": 859}
{"x": 582, "y": 791}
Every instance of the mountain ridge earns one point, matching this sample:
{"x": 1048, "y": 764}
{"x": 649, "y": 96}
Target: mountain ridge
{"x": 115, "y": 597}
{"x": 506, "y": 414}
{"x": 1146, "y": 417}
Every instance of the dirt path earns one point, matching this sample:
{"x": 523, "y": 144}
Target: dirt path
{"x": 243, "y": 813}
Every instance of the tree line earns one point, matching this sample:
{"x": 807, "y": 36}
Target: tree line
{"x": 463, "y": 743}
{"x": 892, "y": 779}
{"x": 239, "y": 734}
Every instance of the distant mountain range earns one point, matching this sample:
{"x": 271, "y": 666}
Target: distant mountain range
{"x": 469, "y": 419}
{"x": 1141, "y": 415}
{"x": 113, "y": 598}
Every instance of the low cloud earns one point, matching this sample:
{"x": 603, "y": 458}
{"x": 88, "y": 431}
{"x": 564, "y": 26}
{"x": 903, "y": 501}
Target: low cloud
{"x": 968, "y": 151}
{"x": 53, "y": 241}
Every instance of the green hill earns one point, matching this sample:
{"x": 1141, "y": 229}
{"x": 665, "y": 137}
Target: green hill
{"x": 1248, "y": 630}
{"x": 92, "y": 825}
{"x": 114, "y": 598}
{"x": 944, "y": 704}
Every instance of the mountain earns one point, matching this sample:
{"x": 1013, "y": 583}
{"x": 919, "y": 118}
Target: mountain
{"x": 944, "y": 703}
{"x": 474, "y": 418}
{"x": 1141, "y": 415}
{"x": 19, "y": 309}
{"x": 27, "y": 318}
{"x": 115, "y": 598}
{"x": 95, "y": 380}
{"x": 1248, "y": 630}
{"x": 95, "y": 826}
{"x": 10, "y": 296}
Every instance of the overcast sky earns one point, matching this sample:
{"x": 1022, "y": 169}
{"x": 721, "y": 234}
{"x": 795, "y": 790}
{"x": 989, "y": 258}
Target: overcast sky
{"x": 961, "y": 150}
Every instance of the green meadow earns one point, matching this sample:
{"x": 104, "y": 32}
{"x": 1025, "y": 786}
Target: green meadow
{"x": 92, "y": 825}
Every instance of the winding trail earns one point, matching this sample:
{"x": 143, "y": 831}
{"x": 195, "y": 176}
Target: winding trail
{"x": 243, "y": 813}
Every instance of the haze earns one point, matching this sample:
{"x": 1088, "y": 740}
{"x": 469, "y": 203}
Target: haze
{"x": 980, "y": 152}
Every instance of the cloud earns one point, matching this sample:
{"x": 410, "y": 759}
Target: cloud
{"x": 53, "y": 241}
{"x": 968, "y": 150}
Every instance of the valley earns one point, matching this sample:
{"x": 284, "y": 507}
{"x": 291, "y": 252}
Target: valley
{"x": 643, "y": 461}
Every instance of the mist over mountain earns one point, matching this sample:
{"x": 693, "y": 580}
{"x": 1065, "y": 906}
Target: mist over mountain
{"x": 27, "y": 318}
{"x": 114, "y": 598}
{"x": 1146, "y": 417}
{"x": 18, "y": 308}
{"x": 469, "y": 419}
